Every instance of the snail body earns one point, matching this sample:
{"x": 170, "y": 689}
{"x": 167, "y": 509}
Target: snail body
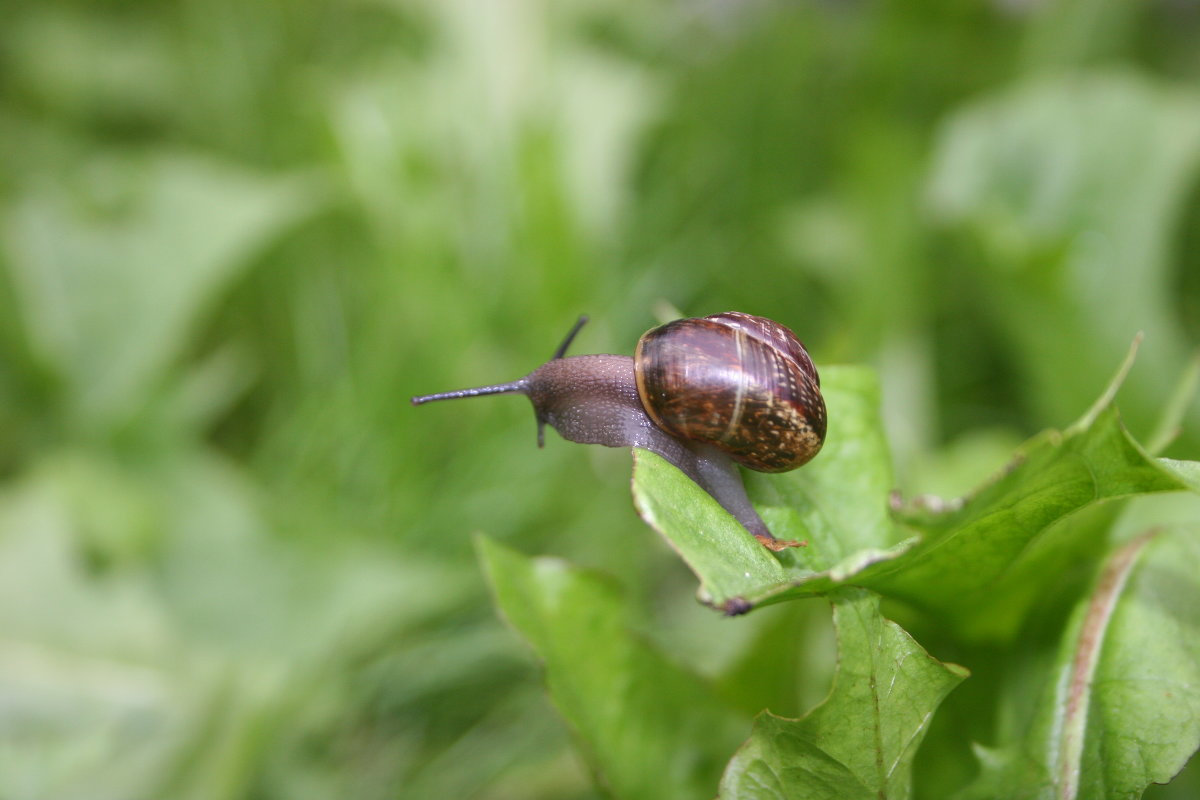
{"x": 703, "y": 393}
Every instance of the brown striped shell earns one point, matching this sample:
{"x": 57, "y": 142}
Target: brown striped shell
{"x": 742, "y": 383}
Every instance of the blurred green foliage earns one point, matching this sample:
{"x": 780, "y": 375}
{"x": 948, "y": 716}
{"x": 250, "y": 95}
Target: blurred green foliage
{"x": 235, "y": 237}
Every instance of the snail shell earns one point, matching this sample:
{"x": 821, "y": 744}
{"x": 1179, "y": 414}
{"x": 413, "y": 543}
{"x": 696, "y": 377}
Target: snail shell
{"x": 742, "y": 383}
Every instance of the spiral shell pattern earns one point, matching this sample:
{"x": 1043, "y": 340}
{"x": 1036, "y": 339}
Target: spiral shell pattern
{"x": 742, "y": 383}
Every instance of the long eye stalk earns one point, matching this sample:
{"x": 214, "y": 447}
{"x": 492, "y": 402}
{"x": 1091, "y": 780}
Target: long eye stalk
{"x": 515, "y": 387}
{"x": 562, "y": 348}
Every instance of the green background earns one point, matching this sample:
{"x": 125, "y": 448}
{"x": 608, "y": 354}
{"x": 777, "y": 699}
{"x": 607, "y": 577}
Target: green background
{"x": 236, "y": 237}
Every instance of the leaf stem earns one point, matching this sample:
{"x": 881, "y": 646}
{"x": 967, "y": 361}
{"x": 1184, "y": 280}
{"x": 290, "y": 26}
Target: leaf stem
{"x": 1087, "y": 655}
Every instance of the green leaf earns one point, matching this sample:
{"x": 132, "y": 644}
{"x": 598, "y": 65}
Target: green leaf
{"x": 1120, "y": 702}
{"x": 837, "y": 504}
{"x": 978, "y": 561}
{"x": 985, "y": 558}
{"x": 730, "y": 563}
{"x": 860, "y": 742}
{"x": 649, "y": 728}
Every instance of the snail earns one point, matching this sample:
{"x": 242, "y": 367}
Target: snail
{"x": 704, "y": 393}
